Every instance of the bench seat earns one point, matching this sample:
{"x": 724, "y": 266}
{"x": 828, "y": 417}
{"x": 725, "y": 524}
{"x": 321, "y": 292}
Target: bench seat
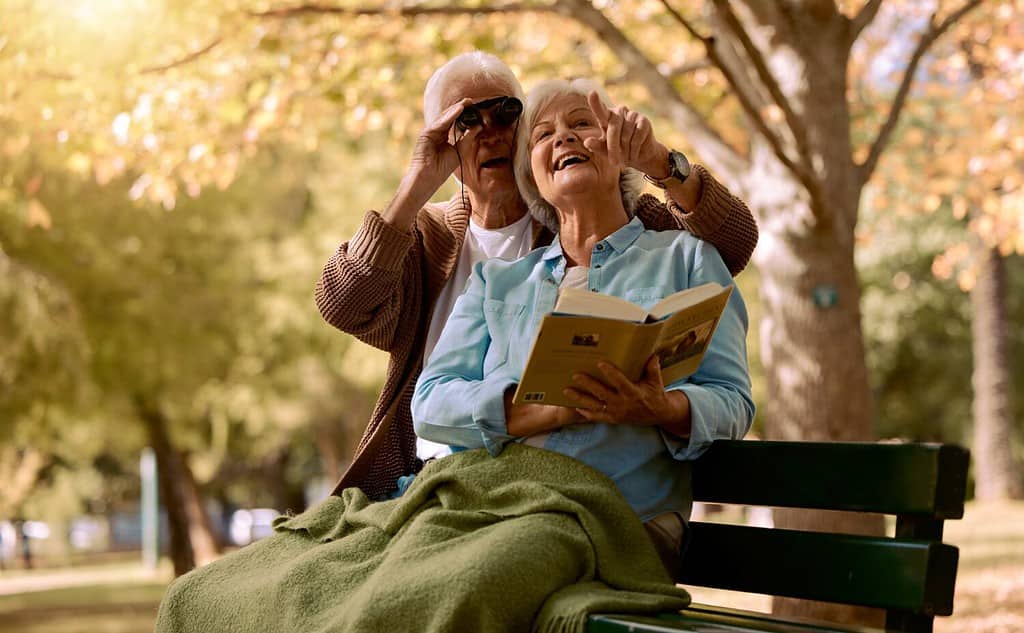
{"x": 910, "y": 575}
{"x": 700, "y": 618}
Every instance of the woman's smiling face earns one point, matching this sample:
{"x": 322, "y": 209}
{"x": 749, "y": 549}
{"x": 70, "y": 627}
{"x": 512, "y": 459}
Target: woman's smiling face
{"x": 561, "y": 164}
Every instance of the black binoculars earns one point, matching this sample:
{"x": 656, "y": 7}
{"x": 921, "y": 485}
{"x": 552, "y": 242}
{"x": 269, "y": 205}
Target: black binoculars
{"x": 504, "y": 112}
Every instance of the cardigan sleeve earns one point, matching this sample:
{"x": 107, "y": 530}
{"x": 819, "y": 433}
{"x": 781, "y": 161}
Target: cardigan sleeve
{"x": 719, "y": 218}
{"x": 364, "y": 285}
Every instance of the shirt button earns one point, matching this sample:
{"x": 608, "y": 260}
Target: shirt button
{"x": 597, "y": 265}
{"x": 600, "y": 247}
{"x": 593, "y": 290}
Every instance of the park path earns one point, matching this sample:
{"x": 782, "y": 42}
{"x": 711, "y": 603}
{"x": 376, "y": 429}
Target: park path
{"x": 22, "y": 581}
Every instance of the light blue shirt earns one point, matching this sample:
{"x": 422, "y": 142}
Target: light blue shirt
{"x": 459, "y": 397}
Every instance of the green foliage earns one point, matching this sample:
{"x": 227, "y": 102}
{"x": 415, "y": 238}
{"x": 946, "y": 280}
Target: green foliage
{"x": 917, "y": 327}
{"x": 205, "y": 310}
{"x": 196, "y": 295}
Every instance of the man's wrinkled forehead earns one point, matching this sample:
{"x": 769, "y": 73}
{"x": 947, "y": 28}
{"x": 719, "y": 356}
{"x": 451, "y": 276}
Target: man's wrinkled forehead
{"x": 476, "y": 88}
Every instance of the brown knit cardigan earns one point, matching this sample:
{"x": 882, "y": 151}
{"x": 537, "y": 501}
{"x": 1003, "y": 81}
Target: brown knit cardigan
{"x": 381, "y": 287}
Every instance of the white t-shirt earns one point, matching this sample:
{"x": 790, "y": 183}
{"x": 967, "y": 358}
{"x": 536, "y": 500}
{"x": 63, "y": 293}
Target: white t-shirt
{"x": 509, "y": 242}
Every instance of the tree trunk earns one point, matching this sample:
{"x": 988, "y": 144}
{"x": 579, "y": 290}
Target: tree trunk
{"x": 812, "y": 345}
{"x": 329, "y": 448}
{"x": 285, "y": 496}
{"x": 172, "y": 496}
{"x": 818, "y": 390}
{"x": 22, "y": 543}
{"x": 191, "y": 535}
{"x": 206, "y": 543}
{"x": 996, "y": 476}
{"x": 19, "y": 470}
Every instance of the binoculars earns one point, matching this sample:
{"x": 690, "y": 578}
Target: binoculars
{"x": 504, "y": 112}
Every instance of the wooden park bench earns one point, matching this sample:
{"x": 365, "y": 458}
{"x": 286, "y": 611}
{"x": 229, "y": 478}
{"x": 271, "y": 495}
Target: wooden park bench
{"x": 911, "y": 575}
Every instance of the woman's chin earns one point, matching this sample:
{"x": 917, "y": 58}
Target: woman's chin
{"x": 575, "y": 181}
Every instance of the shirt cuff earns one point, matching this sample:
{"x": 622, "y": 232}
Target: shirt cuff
{"x": 700, "y": 426}
{"x": 380, "y": 244}
{"x": 489, "y": 411}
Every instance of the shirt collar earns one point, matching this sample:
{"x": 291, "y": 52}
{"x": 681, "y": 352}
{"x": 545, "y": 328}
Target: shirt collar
{"x": 626, "y": 235}
{"x": 619, "y": 240}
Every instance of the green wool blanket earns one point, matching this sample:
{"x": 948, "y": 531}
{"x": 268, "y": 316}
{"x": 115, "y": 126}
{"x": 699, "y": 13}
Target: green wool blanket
{"x": 530, "y": 540}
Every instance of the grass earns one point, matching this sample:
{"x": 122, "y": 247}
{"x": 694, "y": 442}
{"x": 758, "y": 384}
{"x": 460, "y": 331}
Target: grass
{"x": 108, "y": 608}
{"x": 114, "y": 595}
{"x": 990, "y": 581}
{"x": 124, "y": 599}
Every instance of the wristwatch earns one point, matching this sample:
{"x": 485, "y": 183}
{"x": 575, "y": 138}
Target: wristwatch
{"x": 678, "y": 168}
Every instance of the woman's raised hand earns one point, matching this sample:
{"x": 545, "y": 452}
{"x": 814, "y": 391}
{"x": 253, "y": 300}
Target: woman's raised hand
{"x": 628, "y": 139}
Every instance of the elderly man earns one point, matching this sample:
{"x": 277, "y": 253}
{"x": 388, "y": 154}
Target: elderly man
{"x": 395, "y": 282}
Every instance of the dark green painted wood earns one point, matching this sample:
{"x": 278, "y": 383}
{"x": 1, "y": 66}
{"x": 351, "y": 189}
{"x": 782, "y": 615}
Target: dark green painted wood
{"x": 926, "y": 479}
{"x": 918, "y": 527}
{"x": 711, "y": 620}
{"x": 908, "y": 622}
{"x": 916, "y": 576}
{"x": 912, "y": 576}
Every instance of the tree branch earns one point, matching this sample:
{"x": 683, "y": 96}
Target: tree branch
{"x": 148, "y": 70}
{"x": 714, "y": 150}
{"x": 668, "y": 73}
{"x": 864, "y": 17}
{"x": 408, "y": 10}
{"x": 181, "y": 61}
{"x": 689, "y": 67}
{"x": 745, "y": 98}
{"x": 756, "y": 58}
{"x": 935, "y": 30}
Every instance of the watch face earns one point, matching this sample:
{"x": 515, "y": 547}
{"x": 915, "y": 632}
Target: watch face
{"x": 680, "y": 164}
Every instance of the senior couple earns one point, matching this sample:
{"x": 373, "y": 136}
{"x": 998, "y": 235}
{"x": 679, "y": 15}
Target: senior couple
{"x": 566, "y": 511}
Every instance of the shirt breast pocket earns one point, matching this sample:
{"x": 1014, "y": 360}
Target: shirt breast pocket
{"x": 647, "y": 297}
{"x": 502, "y": 324}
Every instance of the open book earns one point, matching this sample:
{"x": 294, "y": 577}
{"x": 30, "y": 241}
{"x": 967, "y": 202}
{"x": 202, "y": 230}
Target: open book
{"x": 588, "y": 327}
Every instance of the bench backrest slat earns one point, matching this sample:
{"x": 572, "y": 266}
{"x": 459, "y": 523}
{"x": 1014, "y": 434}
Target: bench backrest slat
{"x": 870, "y": 571}
{"x": 922, "y": 479}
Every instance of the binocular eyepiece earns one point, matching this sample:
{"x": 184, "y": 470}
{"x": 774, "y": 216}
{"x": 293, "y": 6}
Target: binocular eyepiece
{"x": 504, "y": 112}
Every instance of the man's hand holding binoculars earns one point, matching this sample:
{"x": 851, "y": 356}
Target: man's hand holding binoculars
{"x": 434, "y": 158}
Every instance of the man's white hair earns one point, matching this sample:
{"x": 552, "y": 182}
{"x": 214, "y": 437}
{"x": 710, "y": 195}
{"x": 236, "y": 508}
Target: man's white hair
{"x": 474, "y": 66}
{"x": 631, "y": 181}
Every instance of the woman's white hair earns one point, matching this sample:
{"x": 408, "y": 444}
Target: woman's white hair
{"x": 631, "y": 181}
{"x": 474, "y": 66}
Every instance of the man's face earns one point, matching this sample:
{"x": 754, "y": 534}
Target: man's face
{"x": 486, "y": 159}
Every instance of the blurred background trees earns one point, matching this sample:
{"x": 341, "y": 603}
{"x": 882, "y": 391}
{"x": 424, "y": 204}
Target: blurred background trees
{"x": 173, "y": 175}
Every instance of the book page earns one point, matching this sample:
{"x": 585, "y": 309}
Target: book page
{"x": 686, "y": 336}
{"x": 685, "y": 298}
{"x": 582, "y": 302}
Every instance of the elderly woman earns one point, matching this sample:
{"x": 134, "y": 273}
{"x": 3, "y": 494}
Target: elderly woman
{"x": 577, "y": 166}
